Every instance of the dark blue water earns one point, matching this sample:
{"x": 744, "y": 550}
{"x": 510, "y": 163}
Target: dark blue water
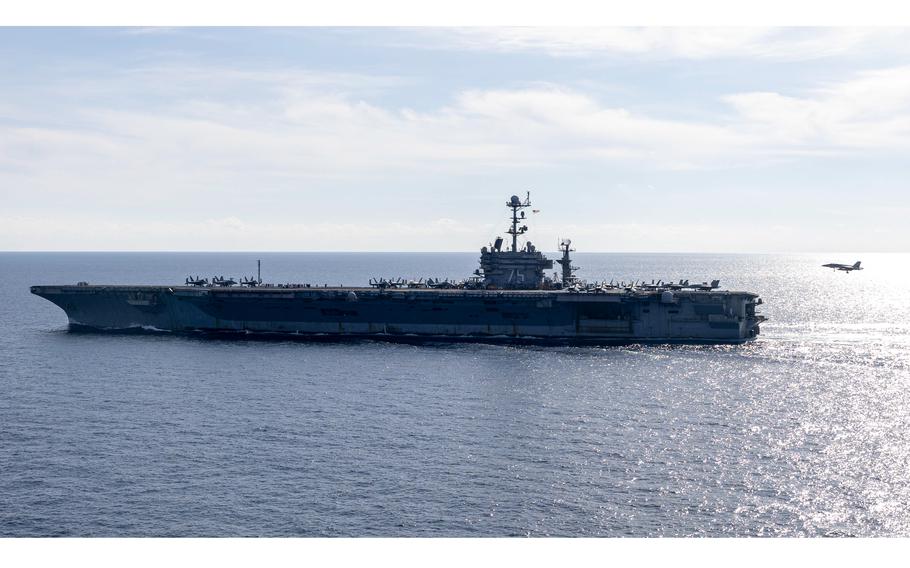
{"x": 804, "y": 432}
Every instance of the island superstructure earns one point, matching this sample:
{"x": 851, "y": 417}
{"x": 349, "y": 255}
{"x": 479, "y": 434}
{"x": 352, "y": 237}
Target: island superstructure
{"x": 509, "y": 298}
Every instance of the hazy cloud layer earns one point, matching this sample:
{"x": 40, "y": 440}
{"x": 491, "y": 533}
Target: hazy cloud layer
{"x": 174, "y": 137}
{"x": 306, "y": 125}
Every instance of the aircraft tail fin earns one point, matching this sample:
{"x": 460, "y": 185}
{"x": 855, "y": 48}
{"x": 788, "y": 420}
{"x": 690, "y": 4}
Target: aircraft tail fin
{"x": 856, "y": 265}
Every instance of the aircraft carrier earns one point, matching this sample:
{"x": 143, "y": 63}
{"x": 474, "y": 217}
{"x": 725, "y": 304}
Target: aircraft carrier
{"x": 510, "y": 298}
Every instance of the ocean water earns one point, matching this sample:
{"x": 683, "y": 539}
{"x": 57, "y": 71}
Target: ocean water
{"x": 805, "y": 432}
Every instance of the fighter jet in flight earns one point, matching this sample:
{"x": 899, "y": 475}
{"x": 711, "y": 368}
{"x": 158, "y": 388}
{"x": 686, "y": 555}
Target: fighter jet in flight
{"x": 845, "y": 267}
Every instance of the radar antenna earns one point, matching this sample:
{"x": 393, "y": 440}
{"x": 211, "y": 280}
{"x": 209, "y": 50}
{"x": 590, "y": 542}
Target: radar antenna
{"x": 568, "y": 271}
{"x": 515, "y": 203}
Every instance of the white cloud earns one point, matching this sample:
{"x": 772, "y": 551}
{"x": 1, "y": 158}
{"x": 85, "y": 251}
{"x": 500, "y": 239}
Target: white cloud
{"x": 298, "y": 128}
{"x": 309, "y": 130}
{"x": 870, "y": 110}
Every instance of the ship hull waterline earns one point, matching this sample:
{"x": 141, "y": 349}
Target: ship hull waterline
{"x": 545, "y": 317}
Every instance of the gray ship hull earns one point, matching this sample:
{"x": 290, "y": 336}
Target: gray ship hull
{"x": 526, "y": 316}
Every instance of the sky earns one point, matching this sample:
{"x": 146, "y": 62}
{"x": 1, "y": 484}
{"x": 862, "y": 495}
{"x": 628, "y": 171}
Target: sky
{"x": 644, "y": 139}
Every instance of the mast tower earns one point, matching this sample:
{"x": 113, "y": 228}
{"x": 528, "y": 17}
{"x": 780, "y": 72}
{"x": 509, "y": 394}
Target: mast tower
{"x": 568, "y": 271}
{"x": 516, "y": 204}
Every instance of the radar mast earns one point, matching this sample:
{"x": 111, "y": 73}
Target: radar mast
{"x": 516, "y": 204}
{"x": 568, "y": 271}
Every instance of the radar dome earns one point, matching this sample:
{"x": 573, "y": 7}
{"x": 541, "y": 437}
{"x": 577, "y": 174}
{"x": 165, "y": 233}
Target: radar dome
{"x": 515, "y": 200}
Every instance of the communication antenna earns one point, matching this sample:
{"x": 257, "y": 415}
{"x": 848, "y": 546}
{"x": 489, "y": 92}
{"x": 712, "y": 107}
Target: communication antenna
{"x": 259, "y": 271}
